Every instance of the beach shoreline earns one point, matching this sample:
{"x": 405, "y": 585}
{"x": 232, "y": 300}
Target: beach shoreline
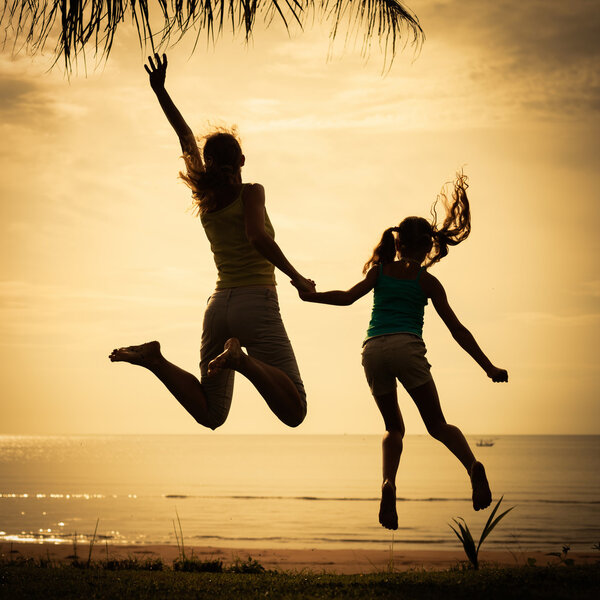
{"x": 316, "y": 560}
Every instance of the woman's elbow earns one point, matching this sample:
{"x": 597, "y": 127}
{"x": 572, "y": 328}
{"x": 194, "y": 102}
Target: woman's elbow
{"x": 256, "y": 238}
{"x": 256, "y": 243}
{"x": 347, "y": 299}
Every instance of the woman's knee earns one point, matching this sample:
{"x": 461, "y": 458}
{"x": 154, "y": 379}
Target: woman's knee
{"x": 297, "y": 418}
{"x": 211, "y": 423}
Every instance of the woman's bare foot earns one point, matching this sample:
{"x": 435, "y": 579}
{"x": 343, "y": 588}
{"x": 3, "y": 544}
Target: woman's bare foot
{"x": 388, "y": 516}
{"x": 230, "y": 358}
{"x": 482, "y": 496}
{"x": 144, "y": 355}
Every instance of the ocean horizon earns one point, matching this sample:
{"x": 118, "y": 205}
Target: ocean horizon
{"x": 294, "y": 491}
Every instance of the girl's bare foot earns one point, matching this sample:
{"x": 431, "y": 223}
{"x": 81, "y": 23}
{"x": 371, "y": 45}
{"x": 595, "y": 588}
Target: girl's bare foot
{"x": 388, "y": 516}
{"x": 482, "y": 496}
{"x": 144, "y": 355}
{"x": 230, "y": 358}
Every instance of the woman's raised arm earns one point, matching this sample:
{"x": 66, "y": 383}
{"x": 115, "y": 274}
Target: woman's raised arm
{"x": 157, "y": 71}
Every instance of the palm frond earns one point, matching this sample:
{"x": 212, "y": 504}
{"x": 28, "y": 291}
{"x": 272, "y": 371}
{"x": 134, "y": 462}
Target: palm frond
{"x": 75, "y": 25}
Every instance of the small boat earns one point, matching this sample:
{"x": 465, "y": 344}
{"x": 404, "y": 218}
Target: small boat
{"x": 485, "y": 443}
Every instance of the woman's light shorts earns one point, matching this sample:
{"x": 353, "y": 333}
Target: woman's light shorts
{"x": 252, "y": 315}
{"x": 401, "y": 356}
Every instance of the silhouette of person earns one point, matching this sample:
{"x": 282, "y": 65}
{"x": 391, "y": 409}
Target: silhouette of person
{"x": 244, "y": 310}
{"x": 394, "y": 348}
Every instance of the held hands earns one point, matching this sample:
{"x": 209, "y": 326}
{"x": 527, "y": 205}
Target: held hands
{"x": 497, "y": 375}
{"x": 305, "y": 287}
{"x": 157, "y": 72}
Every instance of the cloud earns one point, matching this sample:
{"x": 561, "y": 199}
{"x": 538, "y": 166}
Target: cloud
{"x": 34, "y": 313}
{"x": 566, "y": 320}
{"x": 14, "y": 93}
{"x": 539, "y": 56}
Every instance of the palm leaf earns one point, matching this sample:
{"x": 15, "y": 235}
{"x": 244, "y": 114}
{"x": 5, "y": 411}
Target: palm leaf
{"x": 75, "y": 25}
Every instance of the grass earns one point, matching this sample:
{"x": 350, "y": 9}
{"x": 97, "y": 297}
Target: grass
{"x": 22, "y": 579}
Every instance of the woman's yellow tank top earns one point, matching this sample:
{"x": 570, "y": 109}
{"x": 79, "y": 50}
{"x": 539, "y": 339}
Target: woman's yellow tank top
{"x": 238, "y": 263}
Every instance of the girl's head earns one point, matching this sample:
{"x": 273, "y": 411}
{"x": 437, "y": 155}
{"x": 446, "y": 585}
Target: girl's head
{"x": 424, "y": 241}
{"x": 223, "y": 160}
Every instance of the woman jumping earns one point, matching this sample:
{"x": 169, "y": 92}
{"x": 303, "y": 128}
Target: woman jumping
{"x": 394, "y": 348}
{"x": 244, "y": 309}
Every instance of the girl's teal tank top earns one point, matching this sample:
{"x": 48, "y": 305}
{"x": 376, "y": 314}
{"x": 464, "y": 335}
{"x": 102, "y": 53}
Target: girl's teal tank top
{"x": 398, "y": 306}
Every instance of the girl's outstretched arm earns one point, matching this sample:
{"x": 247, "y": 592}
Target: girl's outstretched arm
{"x": 343, "y": 298}
{"x": 434, "y": 289}
{"x": 157, "y": 71}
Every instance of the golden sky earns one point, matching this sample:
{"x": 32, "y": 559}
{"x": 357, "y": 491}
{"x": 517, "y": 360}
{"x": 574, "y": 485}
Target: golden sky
{"x": 98, "y": 250}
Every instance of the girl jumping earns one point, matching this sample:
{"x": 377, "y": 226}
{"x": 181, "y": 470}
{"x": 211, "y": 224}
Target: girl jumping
{"x": 394, "y": 348}
{"x": 243, "y": 310}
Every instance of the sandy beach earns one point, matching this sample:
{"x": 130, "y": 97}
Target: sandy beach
{"x": 345, "y": 561}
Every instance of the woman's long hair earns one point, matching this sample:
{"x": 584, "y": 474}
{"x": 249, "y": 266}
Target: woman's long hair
{"x": 215, "y": 178}
{"x": 416, "y": 234}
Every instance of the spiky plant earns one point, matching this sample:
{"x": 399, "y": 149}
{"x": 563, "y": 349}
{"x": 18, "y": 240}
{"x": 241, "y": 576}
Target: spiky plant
{"x": 75, "y": 25}
{"x": 466, "y": 538}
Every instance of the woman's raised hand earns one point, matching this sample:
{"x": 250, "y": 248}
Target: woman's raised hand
{"x": 157, "y": 72}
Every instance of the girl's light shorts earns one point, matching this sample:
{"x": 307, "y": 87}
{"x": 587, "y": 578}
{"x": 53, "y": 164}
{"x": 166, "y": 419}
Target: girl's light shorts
{"x": 400, "y": 356}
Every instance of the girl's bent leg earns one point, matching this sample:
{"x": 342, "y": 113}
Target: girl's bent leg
{"x": 183, "y": 385}
{"x": 391, "y": 451}
{"x": 278, "y": 390}
{"x": 427, "y": 400}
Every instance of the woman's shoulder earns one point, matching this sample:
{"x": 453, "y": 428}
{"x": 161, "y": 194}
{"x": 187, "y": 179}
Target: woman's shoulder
{"x": 253, "y": 193}
{"x": 253, "y": 188}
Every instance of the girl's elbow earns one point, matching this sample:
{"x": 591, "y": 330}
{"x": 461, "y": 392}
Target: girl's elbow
{"x": 460, "y": 332}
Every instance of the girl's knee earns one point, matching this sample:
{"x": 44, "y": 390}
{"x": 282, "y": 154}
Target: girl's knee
{"x": 395, "y": 427}
{"x": 395, "y": 434}
{"x": 437, "y": 429}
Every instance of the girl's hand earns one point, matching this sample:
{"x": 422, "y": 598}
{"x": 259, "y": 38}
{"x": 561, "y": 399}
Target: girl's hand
{"x": 157, "y": 72}
{"x": 305, "y": 287}
{"x": 497, "y": 375}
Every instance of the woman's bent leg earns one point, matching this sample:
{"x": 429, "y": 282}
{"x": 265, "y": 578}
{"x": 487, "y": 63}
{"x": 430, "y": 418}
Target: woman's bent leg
{"x": 183, "y": 385}
{"x": 391, "y": 451}
{"x": 427, "y": 400}
{"x": 273, "y": 384}
{"x": 254, "y": 322}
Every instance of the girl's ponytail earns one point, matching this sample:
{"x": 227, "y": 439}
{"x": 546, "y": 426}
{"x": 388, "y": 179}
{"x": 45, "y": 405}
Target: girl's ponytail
{"x": 457, "y": 224}
{"x": 385, "y": 251}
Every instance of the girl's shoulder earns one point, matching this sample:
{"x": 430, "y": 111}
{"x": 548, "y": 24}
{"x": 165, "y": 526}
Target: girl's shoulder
{"x": 429, "y": 283}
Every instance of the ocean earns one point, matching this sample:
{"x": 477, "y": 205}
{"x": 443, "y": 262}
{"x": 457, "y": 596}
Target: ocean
{"x": 295, "y": 491}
